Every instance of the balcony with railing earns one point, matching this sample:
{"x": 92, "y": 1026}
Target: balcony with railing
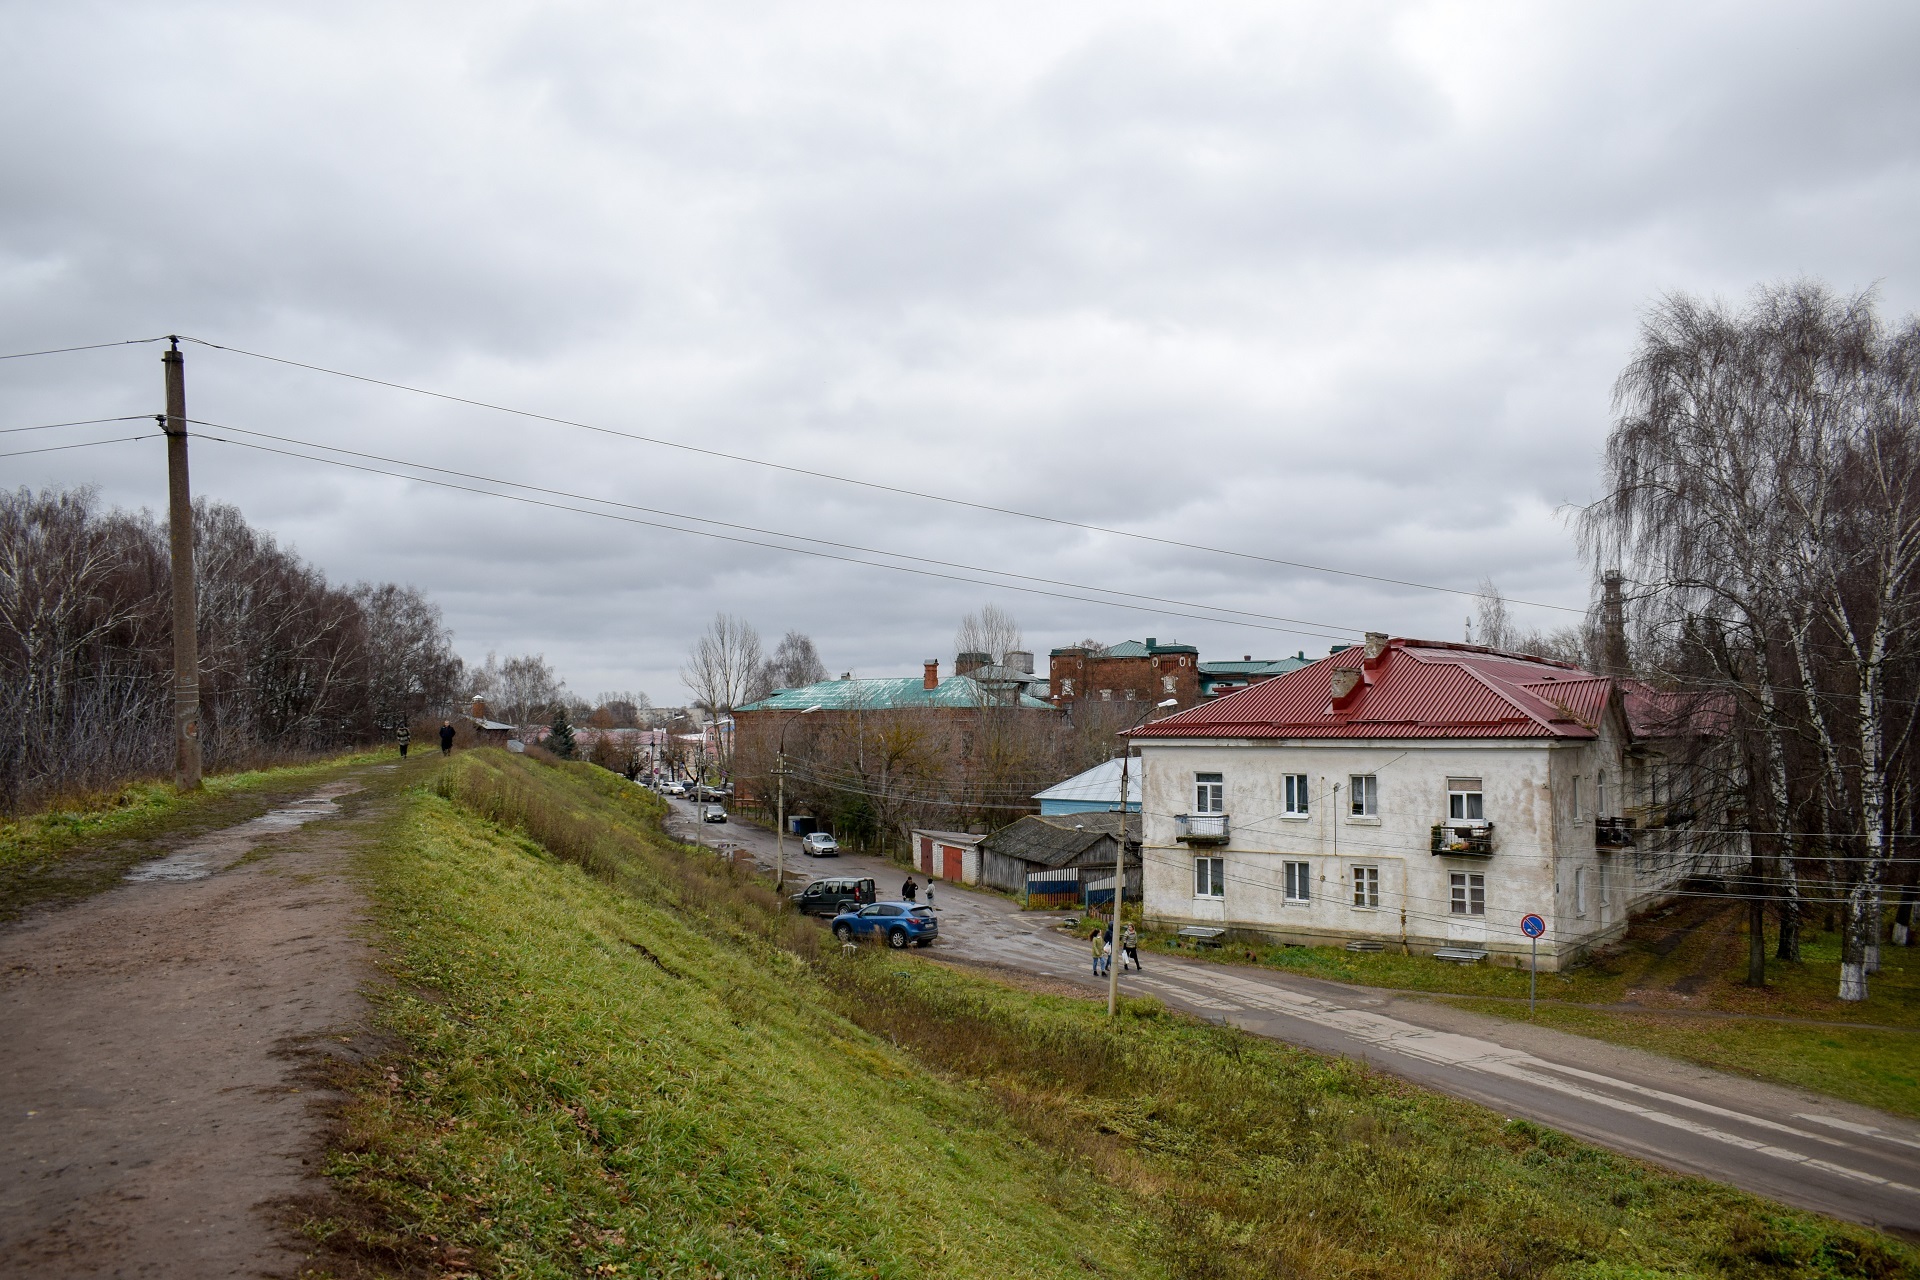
{"x": 1201, "y": 828}
{"x": 1613, "y": 833}
{"x": 1457, "y": 839}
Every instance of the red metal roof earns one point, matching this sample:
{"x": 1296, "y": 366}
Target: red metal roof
{"x": 1416, "y": 689}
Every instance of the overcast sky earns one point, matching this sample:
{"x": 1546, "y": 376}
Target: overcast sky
{"x": 1343, "y": 284}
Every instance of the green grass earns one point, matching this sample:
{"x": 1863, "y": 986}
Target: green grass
{"x": 86, "y": 844}
{"x": 595, "y": 1087}
{"x": 618, "y": 1059}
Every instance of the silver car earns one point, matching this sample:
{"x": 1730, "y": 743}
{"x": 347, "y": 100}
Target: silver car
{"x": 818, "y": 844}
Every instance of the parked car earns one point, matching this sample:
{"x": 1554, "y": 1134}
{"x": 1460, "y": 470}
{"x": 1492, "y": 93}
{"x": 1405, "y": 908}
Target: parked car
{"x": 834, "y": 896}
{"x": 818, "y": 844}
{"x": 900, "y": 923}
{"x": 673, "y": 788}
{"x": 715, "y": 814}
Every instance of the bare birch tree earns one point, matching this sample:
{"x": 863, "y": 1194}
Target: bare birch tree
{"x": 725, "y": 668}
{"x": 1764, "y": 477}
{"x": 992, "y": 631}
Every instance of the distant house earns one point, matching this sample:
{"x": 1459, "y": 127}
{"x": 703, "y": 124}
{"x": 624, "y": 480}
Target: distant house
{"x": 1223, "y": 677}
{"x": 1095, "y": 791}
{"x": 490, "y": 733}
{"x": 947, "y": 855}
{"x": 1056, "y": 860}
{"x": 1125, "y": 672}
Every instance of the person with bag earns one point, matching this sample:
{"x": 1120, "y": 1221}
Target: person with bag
{"x": 1130, "y": 949}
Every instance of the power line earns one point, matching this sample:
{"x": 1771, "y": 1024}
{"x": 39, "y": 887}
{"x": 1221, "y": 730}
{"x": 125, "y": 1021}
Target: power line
{"x": 92, "y": 346}
{"x": 1338, "y": 633}
{"x": 869, "y": 484}
{"x": 751, "y": 542}
{"x": 56, "y": 448}
{"x": 83, "y": 422}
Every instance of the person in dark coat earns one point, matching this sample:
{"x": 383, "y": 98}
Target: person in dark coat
{"x": 909, "y": 890}
{"x": 446, "y": 737}
{"x": 403, "y": 735}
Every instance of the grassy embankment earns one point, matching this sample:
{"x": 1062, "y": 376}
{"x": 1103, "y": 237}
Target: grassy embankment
{"x": 619, "y": 1061}
{"x": 1668, "y": 987}
{"x": 85, "y": 843}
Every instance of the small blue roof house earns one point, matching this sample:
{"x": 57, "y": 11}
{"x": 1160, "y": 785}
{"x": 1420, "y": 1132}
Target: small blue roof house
{"x": 1095, "y": 791}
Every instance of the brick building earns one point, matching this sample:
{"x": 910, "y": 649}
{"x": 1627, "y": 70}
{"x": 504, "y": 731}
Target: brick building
{"x": 1125, "y": 672}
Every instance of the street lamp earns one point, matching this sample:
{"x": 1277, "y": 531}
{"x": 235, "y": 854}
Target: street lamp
{"x": 780, "y": 808}
{"x": 1120, "y": 861}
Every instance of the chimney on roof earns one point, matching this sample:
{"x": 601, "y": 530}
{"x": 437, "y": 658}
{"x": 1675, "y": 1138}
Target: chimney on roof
{"x": 1345, "y": 688}
{"x": 1246, "y": 657}
{"x": 1151, "y": 642}
{"x": 932, "y": 678}
{"x": 1613, "y": 627}
{"x": 1376, "y": 645}
{"x": 479, "y": 708}
{"x": 1020, "y": 660}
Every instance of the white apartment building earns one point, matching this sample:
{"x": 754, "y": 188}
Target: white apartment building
{"x": 1427, "y": 795}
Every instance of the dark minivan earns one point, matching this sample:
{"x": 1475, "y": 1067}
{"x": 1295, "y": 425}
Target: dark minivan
{"x": 836, "y": 894}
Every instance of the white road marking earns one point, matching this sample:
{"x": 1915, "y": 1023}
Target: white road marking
{"x": 1864, "y": 1130}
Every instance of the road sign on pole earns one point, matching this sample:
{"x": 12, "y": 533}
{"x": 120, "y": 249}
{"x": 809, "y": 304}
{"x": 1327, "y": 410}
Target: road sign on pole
{"x": 1533, "y": 926}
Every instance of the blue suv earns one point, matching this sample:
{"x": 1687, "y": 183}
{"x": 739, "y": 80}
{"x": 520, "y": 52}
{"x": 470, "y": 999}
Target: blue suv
{"x": 899, "y": 923}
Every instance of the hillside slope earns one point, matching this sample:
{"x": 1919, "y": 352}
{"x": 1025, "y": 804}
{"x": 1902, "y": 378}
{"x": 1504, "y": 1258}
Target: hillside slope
{"x": 619, "y": 1061}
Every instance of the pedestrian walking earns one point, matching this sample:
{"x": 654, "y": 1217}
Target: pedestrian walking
{"x": 403, "y": 736}
{"x": 446, "y": 737}
{"x": 930, "y": 905}
{"x": 909, "y": 890}
{"x": 1098, "y": 942}
{"x": 1130, "y": 948}
{"x": 1106, "y": 956}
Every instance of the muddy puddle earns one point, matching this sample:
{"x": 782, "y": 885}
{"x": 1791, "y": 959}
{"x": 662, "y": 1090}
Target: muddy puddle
{"x": 212, "y": 852}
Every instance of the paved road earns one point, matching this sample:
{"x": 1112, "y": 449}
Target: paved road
{"x": 1797, "y": 1147}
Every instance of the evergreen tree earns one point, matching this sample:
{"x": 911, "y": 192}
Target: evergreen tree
{"x": 560, "y": 740}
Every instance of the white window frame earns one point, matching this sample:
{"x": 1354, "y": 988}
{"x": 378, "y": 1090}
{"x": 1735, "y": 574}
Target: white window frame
{"x": 1580, "y": 891}
{"x": 1468, "y": 798}
{"x": 1363, "y": 796}
{"x": 1366, "y": 888}
{"x": 1576, "y": 799}
{"x": 1297, "y": 883}
{"x": 1166, "y": 684}
{"x": 1600, "y": 795}
{"x": 1209, "y": 793}
{"x": 1209, "y": 877}
{"x": 1467, "y": 893}
{"x": 1066, "y": 687}
{"x": 1296, "y": 796}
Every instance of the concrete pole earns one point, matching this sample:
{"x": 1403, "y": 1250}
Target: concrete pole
{"x": 186, "y": 640}
{"x": 780, "y": 829}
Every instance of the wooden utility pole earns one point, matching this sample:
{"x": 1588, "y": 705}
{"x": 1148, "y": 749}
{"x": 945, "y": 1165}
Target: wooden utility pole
{"x": 186, "y": 643}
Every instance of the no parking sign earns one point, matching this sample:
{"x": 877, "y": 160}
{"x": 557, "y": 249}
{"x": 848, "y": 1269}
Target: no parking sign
{"x": 1533, "y": 926}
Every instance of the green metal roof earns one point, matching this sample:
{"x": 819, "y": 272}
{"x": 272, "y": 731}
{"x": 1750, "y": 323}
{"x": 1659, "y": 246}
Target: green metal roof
{"x": 1134, "y": 649}
{"x": 888, "y": 693}
{"x": 1258, "y": 667}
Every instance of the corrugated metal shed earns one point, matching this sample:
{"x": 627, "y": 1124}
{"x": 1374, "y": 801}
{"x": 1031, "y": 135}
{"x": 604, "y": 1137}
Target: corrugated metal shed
{"x": 1095, "y": 791}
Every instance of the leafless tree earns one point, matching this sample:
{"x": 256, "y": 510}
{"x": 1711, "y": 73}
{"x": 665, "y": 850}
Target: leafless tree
{"x": 795, "y": 663}
{"x": 725, "y": 668}
{"x": 992, "y": 631}
{"x": 528, "y": 691}
{"x": 1764, "y": 476}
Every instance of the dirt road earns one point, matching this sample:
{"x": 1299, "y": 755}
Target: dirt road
{"x": 159, "y": 1044}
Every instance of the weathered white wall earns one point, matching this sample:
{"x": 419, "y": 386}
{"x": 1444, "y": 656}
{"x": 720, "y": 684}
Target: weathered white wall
{"x": 1538, "y": 840}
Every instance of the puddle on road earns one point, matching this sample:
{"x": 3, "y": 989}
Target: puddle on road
{"x": 210, "y": 853}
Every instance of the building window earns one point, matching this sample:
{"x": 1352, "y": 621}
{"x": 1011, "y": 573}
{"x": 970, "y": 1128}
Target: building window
{"x": 1130, "y": 694}
{"x": 1106, "y": 695}
{"x": 1364, "y": 799}
{"x": 1209, "y": 878}
{"x": 1580, "y": 891}
{"x": 1298, "y": 884}
{"x": 1366, "y": 887}
{"x": 1166, "y": 684}
{"x": 1209, "y": 793}
{"x": 1464, "y": 800}
{"x": 1600, "y": 795}
{"x": 1469, "y": 893}
{"x": 1576, "y": 799}
{"x": 1295, "y": 786}
{"x": 1066, "y": 688}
